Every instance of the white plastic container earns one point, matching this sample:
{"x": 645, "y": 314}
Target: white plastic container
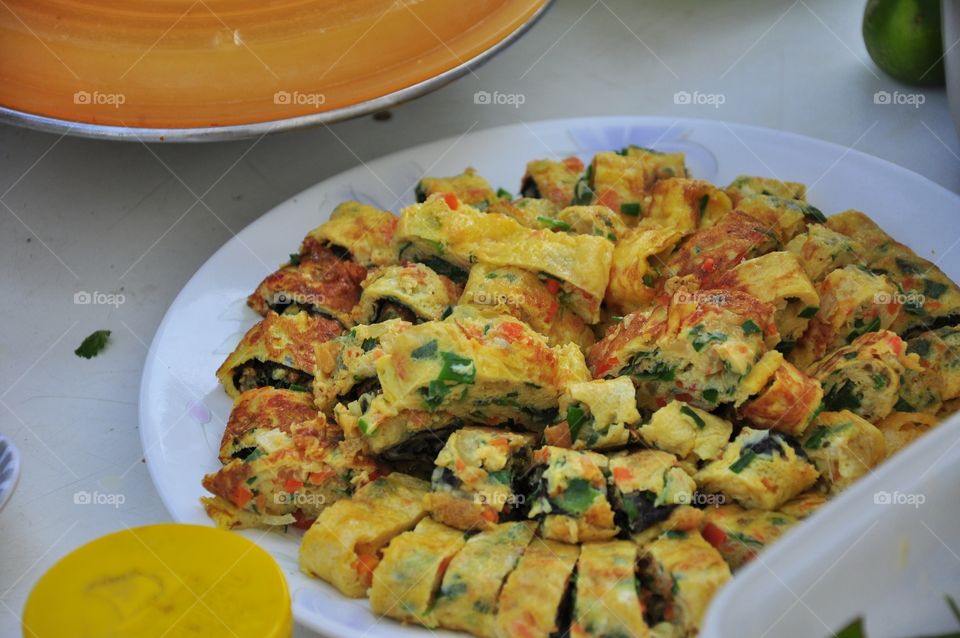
{"x": 887, "y": 550}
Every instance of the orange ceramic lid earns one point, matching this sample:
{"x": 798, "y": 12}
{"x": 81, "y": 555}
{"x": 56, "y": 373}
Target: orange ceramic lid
{"x": 214, "y": 63}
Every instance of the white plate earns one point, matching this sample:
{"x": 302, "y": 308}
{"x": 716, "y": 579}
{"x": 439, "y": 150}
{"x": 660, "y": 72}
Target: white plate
{"x": 9, "y": 469}
{"x": 183, "y": 410}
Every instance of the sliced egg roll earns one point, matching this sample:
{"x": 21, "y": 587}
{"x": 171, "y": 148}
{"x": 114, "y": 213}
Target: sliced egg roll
{"x": 411, "y": 292}
{"x": 569, "y": 495}
{"x": 530, "y": 298}
{"x": 346, "y": 365}
{"x": 900, "y": 429}
{"x": 930, "y": 299}
{"x": 586, "y": 220}
{"x": 648, "y": 486}
{"x": 328, "y": 289}
{"x": 408, "y": 577}
{"x": 937, "y": 380}
{"x": 864, "y": 377}
{"x": 606, "y": 602}
{"x": 686, "y": 430}
{"x": 471, "y": 586}
{"x": 696, "y": 349}
{"x": 287, "y": 477}
{"x": 822, "y": 250}
{"x": 686, "y": 204}
{"x": 354, "y": 231}
{"x": 853, "y": 302}
{"x": 551, "y": 180}
{"x": 844, "y": 447}
{"x": 533, "y": 600}
{"x": 397, "y": 434}
{"x": 280, "y": 351}
{"x": 639, "y": 262}
{"x": 450, "y": 238}
{"x": 621, "y": 180}
{"x": 526, "y": 211}
{"x": 739, "y": 534}
{"x": 712, "y": 251}
{"x": 747, "y": 185}
{"x": 477, "y": 477}
{"x": 259, "y": 410}
{"x": 760, "y": 469}
{"x": 802, "y": 506}
{"x": 777, "y": 279}
{"x": 684, "y": 572}
{"x": 344, "y": 545}
{"x": 790, "y": 215}
{"x": 468, "y": 187}
{"x": 485, "y": 369}
{"x": 785, "y": 398}
{"x": 596, "y": 415}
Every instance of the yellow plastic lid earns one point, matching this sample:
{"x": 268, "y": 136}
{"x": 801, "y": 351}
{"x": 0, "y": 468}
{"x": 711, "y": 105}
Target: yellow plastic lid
{"x": 162, "y": 580}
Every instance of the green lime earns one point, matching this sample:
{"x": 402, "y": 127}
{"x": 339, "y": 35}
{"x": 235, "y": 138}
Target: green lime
{"x": 903, "y": 38}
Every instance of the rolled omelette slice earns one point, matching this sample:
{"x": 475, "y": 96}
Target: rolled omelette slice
{"x": 696, "y": 346}
{"x": 468, "y": 187}
{"x": 396, "y": 434}
{"x": 853, "y": 302}
{"x": 346, "y": 365}
{"x": 570, "y": 497}
{"x": 778, "y": 395}
{"x": 407, "y": 579}
{"x": 599, "y": 414}
{"x": 551, "y": 180}
{"x": 530, "y": 298}
{"x": 287, "y": 477}
{"x": 258, "y": 410}
{"x": 526, "y": 211}
{"x": 354, "y": 231}
{"x": 739, "y": 534}
{"x": 685, "y": 430}
{"x": 686, "y": 204}
{"x": 930, "y": 298}
{"x": 822, "y": 250}
{"x": 791, "y": 216}
{"x": 488, "y": 369}
{"x": 760, "y": 469}
{"x": 747, "y": 185}
{"x": 844, "y": 447}
{"x": 280, "y": 351}
{"x": 684, "y": 571}
{"x": 639, "y": 261}
{"x": 329, "y": 288}
{"x": 648, "y": 488}
{"x": 450, "y": 238}
{"x": 477, "y": 476}
{"x": 411, "y": 292}
{"x": 621, "y": 180}
{"x": 864, "y": 377}
{"x": 343, "y": 546}
{"x": 778, "y": 279}
{"x": 606, "y": 601}
{"x": 471, "y": 586}
{"x": 532, "y": 601}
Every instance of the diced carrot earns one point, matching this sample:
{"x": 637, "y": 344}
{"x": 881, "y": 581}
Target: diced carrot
{"x": 512, "y": 331}
{"x": 489, "y": 514}
{"x": 241, "y": 495}
{"x": 714, "y": 535}
{"x": 319, "y": 478}
{"x": 552, "y": 310}
{"x": 302, "y": 521}
{"x": 553, "y": 286}
{"x": 575, "y": 164}
{"x": 605, "y": 366}
{"x": 365, "y": 565}
{"x": 451, "y": 201}
{"x": 709, "y": 265}
{"x": 292, "y": 485}
{"x": 622, "y": 474}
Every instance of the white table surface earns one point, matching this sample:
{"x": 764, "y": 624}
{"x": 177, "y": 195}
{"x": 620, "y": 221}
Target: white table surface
{"x": 81, "y": 215}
